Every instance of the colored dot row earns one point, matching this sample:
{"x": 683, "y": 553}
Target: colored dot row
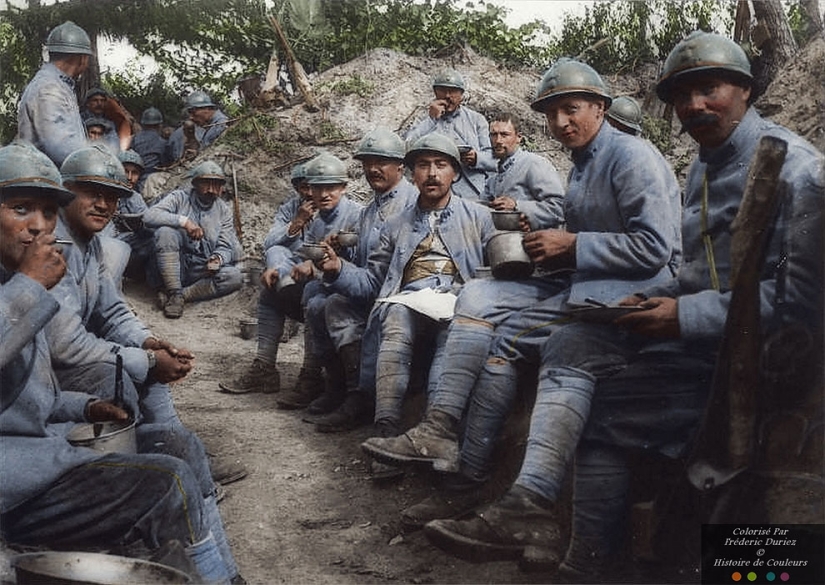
{"x": 770, "y": 576}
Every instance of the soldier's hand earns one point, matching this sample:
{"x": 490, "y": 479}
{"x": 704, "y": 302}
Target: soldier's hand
{"x": 303, "y": 271}
{"x": 552, "y": 248}
{"x": 43, "y": 261}
{"x": 330, "y": 263}
{"x": 165, "y": 345}
{"x": 214, "y": 263}
{"x": 437, "y": 108}
{"x": 306, "y": 211}
{"x": 170, "y": 368}
{"x": 661, "y": 319}
{"x": 503, "y": 203}
{"x": 103, "y": 411}
{"x": 469, "y": 158}
{"x": 269, "y": 277}
{"x": 193, "y": 230}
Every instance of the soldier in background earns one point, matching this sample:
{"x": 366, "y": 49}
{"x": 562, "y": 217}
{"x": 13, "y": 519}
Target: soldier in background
{"x": 466, "y": 127}
{"x": 48, "y": 115}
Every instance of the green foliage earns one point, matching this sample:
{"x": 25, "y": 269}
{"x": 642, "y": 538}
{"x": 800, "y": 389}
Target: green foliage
{"x": 211, "y": 44}
{"x": 138, "y": 90}
{"x": 249, "y": 134}
{"x": 354, "y": 85}
{"x": 329, "y": 132}
{"x": 658, "y": 132}
{"x": 618, "y": 35}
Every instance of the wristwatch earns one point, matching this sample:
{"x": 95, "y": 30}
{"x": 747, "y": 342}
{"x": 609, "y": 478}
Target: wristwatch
{"x": 153, "y": 360}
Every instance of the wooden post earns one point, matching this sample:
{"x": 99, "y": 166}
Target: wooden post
{"x": 726, "y": 441}
{"x": 299, "y": 76}
{"x": 236, "y": 205}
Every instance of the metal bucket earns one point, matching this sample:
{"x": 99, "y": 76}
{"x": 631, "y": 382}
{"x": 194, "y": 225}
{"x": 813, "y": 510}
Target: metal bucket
{"x": 83, "y": 568}
{"x": 507, "y": 220}
{"x": 249, "y": 328}
{"x": 508, "y": 260}
{"x": 105, "y": 437}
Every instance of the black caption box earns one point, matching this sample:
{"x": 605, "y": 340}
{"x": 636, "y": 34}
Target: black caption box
{"x": 779, "y": 554}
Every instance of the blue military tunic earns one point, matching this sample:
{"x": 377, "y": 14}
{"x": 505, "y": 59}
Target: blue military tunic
{"x": 48, "y": 115}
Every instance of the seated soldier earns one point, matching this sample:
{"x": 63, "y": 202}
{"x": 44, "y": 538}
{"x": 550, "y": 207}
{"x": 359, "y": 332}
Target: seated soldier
{"x": 670, "y": 345}
{"x": 467, "y": 128}
{"x": 95, "y": 129}
{"x": 50, "y": 491}
{"x": 196, "y": 247}
{"x": 94, "y": 108}
{"x": 337, "y": 323}
{"x": 621, "y": 233}
{"x": 288, "y": 272}
{"x": 150, "y": 145}
{"x": 95, "y": 331}
{"x": 434, "y": 245}
{"x": 127, "y": 223}
{"x": 209, "y": 123}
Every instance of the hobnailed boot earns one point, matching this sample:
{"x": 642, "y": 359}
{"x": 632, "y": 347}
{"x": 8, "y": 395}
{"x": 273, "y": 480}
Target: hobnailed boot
{"x": 173, "y": 309}
{"x": 356, "y": 411}
{"x": 310, "y": 385}
{"x": 381, "y": 472}
{"x": 260, "y": 377}
{"x": 458, "y": 496}
{"x": 334, "y": 392}
{"x": 358, "y": 408}
{"x": 434, "y": 440}
{"x": 501, "y": 531}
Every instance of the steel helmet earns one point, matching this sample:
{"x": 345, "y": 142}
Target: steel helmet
{"x": 568, "y": 76}
{"x": 326, "y": 169}
{"x": 298, "y": 173}
{"x": 434, "y": 142}
{"x": 93, "y": 92}
{"x": 626, "y": 111}
{"x": 94, "y": 121}
{"x": 95, "y": 164}
{"x": 69, "y": 38}
{"x": 23, "y": 166}
{"x": 381, "y": 142}
{"x": 199, "y": 99}
{"x": 132, "y": 158}
{"x": 208, "y": 170}
{"x": 702, "y": 51}
{"x": 449, "y": 78}
{"x": 151, "y": 116}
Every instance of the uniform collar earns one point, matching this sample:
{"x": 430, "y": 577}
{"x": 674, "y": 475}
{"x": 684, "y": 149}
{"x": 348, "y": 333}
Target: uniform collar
{"x": 736, "y": 142}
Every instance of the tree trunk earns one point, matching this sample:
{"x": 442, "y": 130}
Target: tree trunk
{"x": 774, "y": 39}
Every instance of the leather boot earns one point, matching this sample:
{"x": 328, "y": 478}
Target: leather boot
{"x": 356, "y": 411}
{"x": 501, "y": 531}
{"x": 334, "y": 392}
{"x": 310, "y": 385}
{"x": 358, "y": 407}
{"x": 434, "y": 440}
{"x": 457, "y": 496}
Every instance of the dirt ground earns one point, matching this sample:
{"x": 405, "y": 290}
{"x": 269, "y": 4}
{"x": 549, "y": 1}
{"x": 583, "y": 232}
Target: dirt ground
{"x": 307, "y": 512}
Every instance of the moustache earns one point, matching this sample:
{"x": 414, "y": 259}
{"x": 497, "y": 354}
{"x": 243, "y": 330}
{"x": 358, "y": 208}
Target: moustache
{"x": 432, "y": 183}
{"x": 700, "y": 120}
